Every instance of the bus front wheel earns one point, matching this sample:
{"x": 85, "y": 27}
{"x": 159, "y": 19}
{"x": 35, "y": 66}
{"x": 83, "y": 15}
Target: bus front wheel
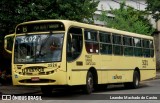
{"x": 88, "y": 88}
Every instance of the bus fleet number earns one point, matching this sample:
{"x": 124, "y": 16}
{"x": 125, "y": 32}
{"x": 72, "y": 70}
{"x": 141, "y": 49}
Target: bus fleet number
{"x": 144, "y": 63}
{"x": 52, "y": 65}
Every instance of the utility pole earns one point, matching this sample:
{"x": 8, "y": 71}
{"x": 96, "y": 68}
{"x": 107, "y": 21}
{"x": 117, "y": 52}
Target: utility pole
{"x": 157, "y": 44}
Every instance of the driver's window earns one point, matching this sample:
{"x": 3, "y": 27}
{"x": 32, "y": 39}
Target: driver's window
{"x": 74, "y": 43}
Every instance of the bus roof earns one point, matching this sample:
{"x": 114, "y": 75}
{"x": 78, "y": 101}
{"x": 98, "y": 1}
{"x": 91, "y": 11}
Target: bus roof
{"x": 90, "y": 26}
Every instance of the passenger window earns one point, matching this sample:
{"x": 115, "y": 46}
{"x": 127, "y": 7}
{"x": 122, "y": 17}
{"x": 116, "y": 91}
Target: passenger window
{"x": 151, "y": 48}
{"x": 117, "y": 39}
{"x": 146, "y": 43}
{"x": 146, "y": 48}
{"x": 105, "y": 43}
{"x": 127, "y": 41}
{"x": 105, "y": 37}
{"x": 128, "y": 45}
{"x": 91, "y": 35}
{"x": 117, "y": 44}
{"x": 91, "y": 41}
{"x": 137, "y": 42}
{"x": 137, "y": 47}
{"x": 151, "y": 43}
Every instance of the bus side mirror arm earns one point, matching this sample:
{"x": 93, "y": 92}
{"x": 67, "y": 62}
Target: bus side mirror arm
{"x": 6, "y": 42}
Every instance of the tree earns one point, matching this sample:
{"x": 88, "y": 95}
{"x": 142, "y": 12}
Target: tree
{"x": 127, "y": 19}
{"x": 13, "y": 12}
{"x": 153, "y": 6}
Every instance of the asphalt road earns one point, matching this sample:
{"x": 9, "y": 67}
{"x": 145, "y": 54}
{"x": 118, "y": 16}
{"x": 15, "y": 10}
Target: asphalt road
{"x": 150, "y": 90}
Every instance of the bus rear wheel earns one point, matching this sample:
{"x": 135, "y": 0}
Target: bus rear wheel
{"x": 135, "y": 83}
{"x": 88, "y": 88}
{"x": 46, "y": 90}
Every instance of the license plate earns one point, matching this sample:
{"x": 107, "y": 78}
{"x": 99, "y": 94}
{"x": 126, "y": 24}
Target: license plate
{"x": 35, "y": 78}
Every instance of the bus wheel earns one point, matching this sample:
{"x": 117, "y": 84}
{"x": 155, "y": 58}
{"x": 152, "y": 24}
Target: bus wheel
{"x": 136, "y": 80}
{"x": 88, "y": 88}
{"x": 135, "y": 83}
{"x": 46, "y": 90}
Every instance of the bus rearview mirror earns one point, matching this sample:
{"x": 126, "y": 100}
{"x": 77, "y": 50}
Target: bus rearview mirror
{"x": 8, "y": 43}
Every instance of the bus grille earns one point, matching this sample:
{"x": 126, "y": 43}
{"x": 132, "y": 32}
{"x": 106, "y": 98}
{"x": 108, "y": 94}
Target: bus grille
{"x": 39, "y": 81}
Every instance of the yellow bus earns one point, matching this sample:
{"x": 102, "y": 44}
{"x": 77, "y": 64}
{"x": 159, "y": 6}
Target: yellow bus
{"x": 57, "y": 53}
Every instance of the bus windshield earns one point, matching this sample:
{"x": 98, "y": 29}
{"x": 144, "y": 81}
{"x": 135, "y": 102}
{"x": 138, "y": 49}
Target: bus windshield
{"x": 38, "y": 48}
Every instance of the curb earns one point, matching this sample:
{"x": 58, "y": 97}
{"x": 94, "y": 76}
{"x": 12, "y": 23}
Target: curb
{"x": 157, "y": 77}
{"x": 158, "y": 74}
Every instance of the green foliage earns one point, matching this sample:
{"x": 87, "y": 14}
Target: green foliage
{"x": 127, "y": 19}
{"x": 13, "y": 12}
{"x": 153, "y": 6}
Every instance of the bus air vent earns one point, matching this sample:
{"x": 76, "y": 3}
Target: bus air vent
{"x": 40, "y": 81}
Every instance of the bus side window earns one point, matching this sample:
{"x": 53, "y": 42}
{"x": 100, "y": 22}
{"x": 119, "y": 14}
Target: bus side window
{"x": 128, "y": 45}
{"x": 146, "y": 48}
{"x": 137, "y": 47}
{"x": 91, "y": 41}
{"x": 117, "y": 44}
{"x": 105, "y": 43}
{"x": 89, "y": 47}
{"x": 151, "y": 48}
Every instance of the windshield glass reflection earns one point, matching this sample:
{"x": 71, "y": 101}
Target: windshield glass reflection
{"x": 38, "y": 48}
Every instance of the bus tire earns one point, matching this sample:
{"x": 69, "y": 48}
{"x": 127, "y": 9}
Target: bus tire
{"x": 135, "y": 83}
{"x": 136, "y": 80}
{"x": 46, "y": 90}
{"x": 88, "y": 88}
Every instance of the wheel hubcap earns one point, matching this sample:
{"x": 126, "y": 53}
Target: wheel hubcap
{"x": 90, "y": 82}
{"x": 137, "y": 82}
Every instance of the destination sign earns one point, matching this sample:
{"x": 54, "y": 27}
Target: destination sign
{"x": 40, "y": 27}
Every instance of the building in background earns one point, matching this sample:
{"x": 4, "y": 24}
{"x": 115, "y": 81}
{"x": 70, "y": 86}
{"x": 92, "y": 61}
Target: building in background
{"x": 115, "y": 4}
{"x": 138, "y": 5}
